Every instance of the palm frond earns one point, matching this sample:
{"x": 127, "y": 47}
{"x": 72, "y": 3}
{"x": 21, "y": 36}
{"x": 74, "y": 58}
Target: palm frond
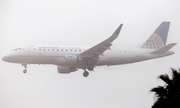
{"x": 168, "y": 96}
{"x": 175, "y": 77}
{"x": 166, "y": 79}
{"x": 160, "y": 91}
{"x": 174, "y": 74}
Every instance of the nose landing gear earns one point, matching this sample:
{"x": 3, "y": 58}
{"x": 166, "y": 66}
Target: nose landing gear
{"x": 25, "y": 66}
{"x": 24, "y": 71}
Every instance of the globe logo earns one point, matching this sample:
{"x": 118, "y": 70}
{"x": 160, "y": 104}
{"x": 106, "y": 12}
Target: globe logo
{"x": 154, "y": 42}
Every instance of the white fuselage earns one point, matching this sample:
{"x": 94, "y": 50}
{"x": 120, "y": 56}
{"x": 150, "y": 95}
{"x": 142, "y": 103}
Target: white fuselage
{"x": 56, "y": 55}
{"x": 70, "y": 59}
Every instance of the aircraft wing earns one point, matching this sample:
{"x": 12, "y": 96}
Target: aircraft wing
{"x": 100, "y": 48}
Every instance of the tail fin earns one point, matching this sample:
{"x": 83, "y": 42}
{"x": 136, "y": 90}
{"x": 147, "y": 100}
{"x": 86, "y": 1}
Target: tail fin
{"x": 158, "y": 38}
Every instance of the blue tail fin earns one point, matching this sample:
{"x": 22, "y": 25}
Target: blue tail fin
{"x": 158, "y": 38}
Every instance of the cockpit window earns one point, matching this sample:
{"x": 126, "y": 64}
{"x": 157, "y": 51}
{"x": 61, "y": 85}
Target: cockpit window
{"x": 17, "y": 49}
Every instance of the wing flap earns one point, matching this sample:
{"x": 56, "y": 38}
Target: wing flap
{"x": 163, "y": 49}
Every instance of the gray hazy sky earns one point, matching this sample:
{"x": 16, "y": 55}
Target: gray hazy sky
{"x": 83, "y": 23}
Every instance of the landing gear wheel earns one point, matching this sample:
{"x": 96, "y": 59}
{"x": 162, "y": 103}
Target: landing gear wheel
{"x": 25, "y": 66}
{"x": 24, "y": 71}
{"x": 85, "y": 74}
{"x": 90, "y": 68}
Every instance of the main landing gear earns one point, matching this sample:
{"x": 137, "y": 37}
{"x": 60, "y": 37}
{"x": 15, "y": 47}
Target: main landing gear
{"x": 86, "y": 73}
{"x": 90, "y": 68}
{"x": 25, "y": 66}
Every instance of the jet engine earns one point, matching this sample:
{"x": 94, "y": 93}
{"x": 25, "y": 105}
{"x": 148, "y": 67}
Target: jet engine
{"x": 65, "y": 70}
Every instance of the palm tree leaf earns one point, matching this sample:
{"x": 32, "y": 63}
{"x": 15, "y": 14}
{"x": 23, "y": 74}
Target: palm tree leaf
{"x": 168, "y": 96}
{"x": 161, "y": 103}
{"x": 176, "y": 79}
{"x": 166, "y": 79}
{"x": 174, "y": 74}
{"x": 160, "y": 91}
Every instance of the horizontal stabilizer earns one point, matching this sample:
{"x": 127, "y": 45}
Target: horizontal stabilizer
{"x": 163, "y": 49}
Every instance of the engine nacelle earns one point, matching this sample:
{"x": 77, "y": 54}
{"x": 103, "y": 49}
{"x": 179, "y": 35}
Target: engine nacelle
{"x": 65, "y": 70}
{"x": 70, "y": 59}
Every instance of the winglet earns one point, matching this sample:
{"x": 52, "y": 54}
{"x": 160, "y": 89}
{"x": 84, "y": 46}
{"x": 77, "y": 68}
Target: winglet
{"x": 163, "y": 49}
{"x": 116, "y": 33}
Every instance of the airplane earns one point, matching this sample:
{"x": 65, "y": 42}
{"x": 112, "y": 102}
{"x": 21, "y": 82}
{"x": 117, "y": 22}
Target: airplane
{"x": 71, "y": 58}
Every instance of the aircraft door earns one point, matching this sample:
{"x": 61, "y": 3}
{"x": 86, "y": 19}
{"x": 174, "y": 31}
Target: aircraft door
{"x": 31, "y": 50}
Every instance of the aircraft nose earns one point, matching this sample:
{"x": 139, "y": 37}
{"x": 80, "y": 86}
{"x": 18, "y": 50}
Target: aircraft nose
{"x": 9, "y": 58}
{"x": 4, "y": 58}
